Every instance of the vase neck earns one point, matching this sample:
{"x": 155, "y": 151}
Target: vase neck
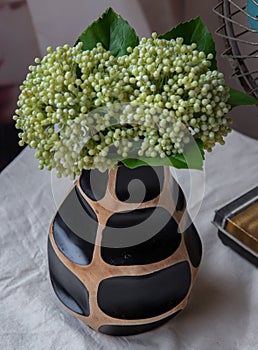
{"x": 137, "y": 185}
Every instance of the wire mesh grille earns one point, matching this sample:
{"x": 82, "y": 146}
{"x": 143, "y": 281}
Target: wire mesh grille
{"x": 241, "y": 41}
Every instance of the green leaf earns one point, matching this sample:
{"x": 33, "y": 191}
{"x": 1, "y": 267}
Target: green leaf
{"x": 194, "y": 31}
{"x": 193, "y": 159}
{"x": 238, "y": 98}
{"x": 112, "y": 31}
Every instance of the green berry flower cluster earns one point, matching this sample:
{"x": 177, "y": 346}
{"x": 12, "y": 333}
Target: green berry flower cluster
{"x": 178, "y": 78}
{"x": 87, "y": 109}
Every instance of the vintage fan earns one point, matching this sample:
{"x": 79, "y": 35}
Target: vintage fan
{"x": 239, "y": 28}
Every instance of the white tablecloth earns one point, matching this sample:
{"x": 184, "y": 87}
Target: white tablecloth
{"x": 223, "y": 309}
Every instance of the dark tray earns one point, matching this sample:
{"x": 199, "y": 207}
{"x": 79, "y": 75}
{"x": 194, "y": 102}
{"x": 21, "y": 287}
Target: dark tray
{"x": 237, "y": 224}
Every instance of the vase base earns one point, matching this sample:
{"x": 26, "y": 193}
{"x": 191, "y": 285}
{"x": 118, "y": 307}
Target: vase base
{"x": 125, "y": 330}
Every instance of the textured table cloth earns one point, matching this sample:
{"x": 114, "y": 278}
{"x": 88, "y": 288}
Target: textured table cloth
{"x": 222, "y": 312}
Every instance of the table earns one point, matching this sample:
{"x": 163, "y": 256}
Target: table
{"x": 222, "y": 312}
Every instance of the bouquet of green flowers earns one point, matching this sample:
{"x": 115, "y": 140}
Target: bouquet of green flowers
{"x": 113, "y": 98}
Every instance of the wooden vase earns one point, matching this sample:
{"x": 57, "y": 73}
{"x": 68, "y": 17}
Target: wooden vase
{"x": 123, "y": 255}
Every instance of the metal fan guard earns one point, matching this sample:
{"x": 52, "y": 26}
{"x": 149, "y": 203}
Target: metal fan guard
{"x": 241, "y": 42}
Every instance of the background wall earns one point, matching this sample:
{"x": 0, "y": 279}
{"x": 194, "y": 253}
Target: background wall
{"x": 61, "y": 21}
{"x": 163, "y": 14}
{"x": 18, "y": 47}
